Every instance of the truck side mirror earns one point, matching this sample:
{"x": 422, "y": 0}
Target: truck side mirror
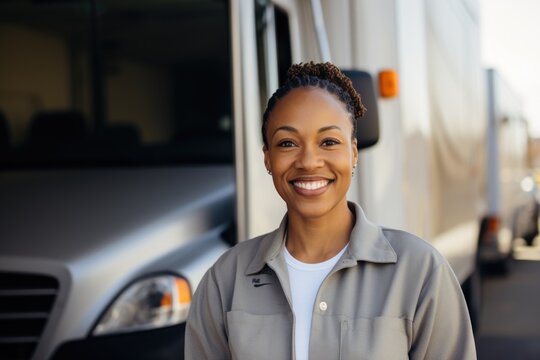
{"x": 368, "y": 125}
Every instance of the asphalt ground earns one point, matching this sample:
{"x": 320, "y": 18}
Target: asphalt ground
{"x": 510, "y": 322}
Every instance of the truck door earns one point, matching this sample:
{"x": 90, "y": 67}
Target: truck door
{"x": 262, "y": 53}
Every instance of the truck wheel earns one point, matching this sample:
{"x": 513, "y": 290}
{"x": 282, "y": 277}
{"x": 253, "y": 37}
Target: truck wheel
{"x": 472, "y": 289}
{"x": 529, "y": 239}
{"x": 533, "y": 225}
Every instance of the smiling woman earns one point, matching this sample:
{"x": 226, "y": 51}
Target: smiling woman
{"x": 311, "y": 153}
{"x": 335, "y": 284}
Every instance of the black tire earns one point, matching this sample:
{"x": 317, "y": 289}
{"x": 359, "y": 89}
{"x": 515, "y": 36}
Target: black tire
{"x": 532, "y": 228}
{"x": 472, "y": 290}
{"x": 529, "y": 239}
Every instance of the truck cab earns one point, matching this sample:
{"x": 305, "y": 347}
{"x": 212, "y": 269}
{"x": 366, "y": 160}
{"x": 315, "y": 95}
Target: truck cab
{"x": 117, "y": 184}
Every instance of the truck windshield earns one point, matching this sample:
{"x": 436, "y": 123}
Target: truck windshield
{"x": 114, "y": 82}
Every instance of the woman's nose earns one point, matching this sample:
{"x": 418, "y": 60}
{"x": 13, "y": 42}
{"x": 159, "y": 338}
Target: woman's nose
{"x": 309, "y": 158}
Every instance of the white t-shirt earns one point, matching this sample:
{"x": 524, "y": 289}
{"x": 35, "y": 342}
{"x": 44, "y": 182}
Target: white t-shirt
{"x": 305, "y": 280}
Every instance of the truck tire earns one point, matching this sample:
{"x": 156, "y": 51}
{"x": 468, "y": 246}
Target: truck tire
{"x": 529, "y": 239}
{"x": 527, "y": 216}
{"x": 472, "y": 290}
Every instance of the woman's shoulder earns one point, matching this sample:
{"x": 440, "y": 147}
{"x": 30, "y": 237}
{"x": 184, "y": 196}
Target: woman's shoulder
{"x": 413, "y": 249}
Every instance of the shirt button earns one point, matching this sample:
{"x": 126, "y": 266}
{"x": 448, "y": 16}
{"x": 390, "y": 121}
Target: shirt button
{"x": 323, "y": 306}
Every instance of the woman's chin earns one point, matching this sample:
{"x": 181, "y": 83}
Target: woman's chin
{"x": 311, "y": 210}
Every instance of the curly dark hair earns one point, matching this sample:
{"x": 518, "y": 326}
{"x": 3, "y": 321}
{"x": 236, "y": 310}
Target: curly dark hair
{"x": 322, "y": 75}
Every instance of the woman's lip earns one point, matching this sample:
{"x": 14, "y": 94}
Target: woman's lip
{"x": 310, "y": 178}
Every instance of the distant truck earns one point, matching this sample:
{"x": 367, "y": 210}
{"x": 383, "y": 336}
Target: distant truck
{"x": 131, "y": 153}
{"x": 513, "y": 210}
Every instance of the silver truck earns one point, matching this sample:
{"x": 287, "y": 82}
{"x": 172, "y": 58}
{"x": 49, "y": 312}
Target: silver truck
{"x": 117, "y": 188}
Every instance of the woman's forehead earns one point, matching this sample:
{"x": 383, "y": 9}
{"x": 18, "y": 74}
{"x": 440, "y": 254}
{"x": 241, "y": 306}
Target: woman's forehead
{"x": 309, "y": 103}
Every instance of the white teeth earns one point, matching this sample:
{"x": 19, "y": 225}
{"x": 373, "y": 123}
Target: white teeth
{"x": 311, "y": 185}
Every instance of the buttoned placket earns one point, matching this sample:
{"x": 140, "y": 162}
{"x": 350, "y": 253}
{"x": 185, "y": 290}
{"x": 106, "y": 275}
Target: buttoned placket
{"x": 321, "y": 304}
{"x": 345, "y": 262}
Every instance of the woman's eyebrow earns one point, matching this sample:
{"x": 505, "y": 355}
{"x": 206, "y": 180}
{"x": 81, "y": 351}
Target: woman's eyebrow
{"x": 331, "y": 127}
{"x": 285, "y": 128}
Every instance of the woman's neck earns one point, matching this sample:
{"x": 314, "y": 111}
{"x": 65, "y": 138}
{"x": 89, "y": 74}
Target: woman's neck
{"x": 314, "y": 240}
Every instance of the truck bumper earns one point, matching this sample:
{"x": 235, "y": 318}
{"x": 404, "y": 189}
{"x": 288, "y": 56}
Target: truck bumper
{"x": 160, "y": 344}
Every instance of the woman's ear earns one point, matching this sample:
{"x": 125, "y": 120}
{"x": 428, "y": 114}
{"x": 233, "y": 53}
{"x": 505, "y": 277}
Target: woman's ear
{"x": 266, "y": 158}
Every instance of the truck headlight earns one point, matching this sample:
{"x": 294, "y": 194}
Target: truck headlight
{"x": 149, "y": 303}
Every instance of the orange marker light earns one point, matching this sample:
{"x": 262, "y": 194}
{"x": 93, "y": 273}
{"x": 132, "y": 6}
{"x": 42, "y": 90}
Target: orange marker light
{"x": 388, "y": 83}
{"x": 494, "y": 224}
{"x": 184, "y": 291}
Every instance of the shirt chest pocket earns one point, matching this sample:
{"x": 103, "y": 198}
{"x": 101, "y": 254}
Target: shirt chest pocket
{"x": 259, "y": 336}
{"x": 375, "y": 339}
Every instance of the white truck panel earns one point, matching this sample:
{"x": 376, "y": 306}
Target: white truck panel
{"x": 374, "y": 31}
{"x": 425, "y": 173}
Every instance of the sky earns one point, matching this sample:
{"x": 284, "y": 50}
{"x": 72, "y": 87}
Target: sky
{"x": 510, "y": 31}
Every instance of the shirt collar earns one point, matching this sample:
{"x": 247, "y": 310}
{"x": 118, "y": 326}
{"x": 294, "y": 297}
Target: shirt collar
{"x": 367, "y": 243}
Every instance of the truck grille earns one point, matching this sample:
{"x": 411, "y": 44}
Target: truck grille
{"x": 26, "y": 301}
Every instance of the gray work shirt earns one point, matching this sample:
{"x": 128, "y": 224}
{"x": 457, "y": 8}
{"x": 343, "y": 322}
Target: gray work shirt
{"x": 390, "y": 296}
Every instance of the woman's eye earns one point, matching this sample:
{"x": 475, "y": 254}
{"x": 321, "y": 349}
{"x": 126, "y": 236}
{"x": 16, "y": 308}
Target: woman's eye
{"x": 286, "y": 143}
{"x": 330, "y": 142}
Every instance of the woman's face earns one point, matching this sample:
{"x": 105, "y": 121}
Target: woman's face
{"x": 310, "y": 151}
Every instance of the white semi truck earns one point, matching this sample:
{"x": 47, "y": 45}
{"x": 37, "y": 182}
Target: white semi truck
{"x": 512, "y": 208}
{"x": 131, "y": 152}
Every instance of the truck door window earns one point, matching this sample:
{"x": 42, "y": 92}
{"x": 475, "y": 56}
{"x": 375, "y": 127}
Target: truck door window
{"x": 112, "y": 82}
{"x": 273, "y": 47}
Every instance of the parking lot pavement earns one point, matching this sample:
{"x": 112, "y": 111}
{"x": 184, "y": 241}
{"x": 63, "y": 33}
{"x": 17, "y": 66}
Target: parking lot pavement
{"x": 510, "y": 327}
